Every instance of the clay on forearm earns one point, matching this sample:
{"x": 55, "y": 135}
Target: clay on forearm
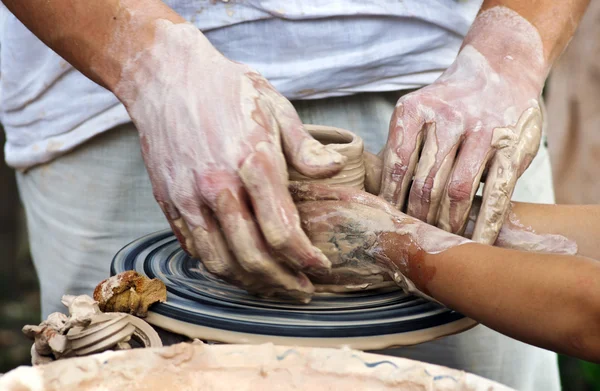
{"x": 101, "y": 37}
{"x": 517, "y": 236}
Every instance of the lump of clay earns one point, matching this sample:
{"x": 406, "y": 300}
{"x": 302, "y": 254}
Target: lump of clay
{"x": 129, "y": 292}
{"x": 86, "y": 331}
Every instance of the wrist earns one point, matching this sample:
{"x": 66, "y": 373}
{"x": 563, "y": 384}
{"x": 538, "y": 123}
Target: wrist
{"x": 134, "y": 29}
{"x": 172, "y": 48}
{"x": 510, "y": 45}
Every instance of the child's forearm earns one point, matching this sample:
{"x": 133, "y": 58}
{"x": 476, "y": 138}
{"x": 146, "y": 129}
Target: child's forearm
{"x": 552, "y": 301}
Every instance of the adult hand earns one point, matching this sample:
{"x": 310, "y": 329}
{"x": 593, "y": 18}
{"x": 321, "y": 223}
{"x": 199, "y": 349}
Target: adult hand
{"x": 482, "y": 116}
{"x": 368, "y": 241}
{"x": 215, "y": 137}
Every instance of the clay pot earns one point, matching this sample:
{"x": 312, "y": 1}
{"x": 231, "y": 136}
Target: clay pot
{"x": 353, "y": 175}
{"x": 347, "y": 144}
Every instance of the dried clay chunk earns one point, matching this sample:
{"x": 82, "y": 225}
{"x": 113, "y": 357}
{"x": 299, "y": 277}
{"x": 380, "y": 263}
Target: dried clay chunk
{"x": 129, "y": 292}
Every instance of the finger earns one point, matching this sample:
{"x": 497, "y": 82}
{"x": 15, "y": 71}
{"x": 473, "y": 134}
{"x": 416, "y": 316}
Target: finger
{"x": 497, "y": 192}
{"x": 472, "y": 218}
{"x": 247, "y": 244}
{"x": 401, "y": 155}
{"x": 201, "y": 237}
{"x": 373, "y": 171}
{"x": 162, "y": 196}
{"x": 211, "y": 248}
{"x": 435, "y": 164}
{"x": 515, "y": 145}
{"x": 462, "y": 186}
{"x": 265, "y": 180}
{"x": 183, "y": 235}
{"x": 530, "y": 124}
{"x": 308, "y": 156}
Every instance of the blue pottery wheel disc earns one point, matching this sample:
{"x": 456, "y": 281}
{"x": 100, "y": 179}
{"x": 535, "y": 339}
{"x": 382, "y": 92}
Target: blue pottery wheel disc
{"x": 200, "y": 305}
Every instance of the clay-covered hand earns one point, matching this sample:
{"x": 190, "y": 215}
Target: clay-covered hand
{"x": 368, "y": 241}
{"x": 482, "y": 117}
{"x": 216, "y": 139}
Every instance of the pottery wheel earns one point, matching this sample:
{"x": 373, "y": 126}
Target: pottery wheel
{"x": 202, "y": 306}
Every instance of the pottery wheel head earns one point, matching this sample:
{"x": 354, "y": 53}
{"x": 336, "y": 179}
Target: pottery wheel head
{"x": 202, "y": 306}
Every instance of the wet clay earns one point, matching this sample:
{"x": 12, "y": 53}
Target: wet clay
{"x": 517, "y": 236}
{"x": 346, "y": 144}
{"x": 86, "y": 331}
{"x": 353, "y": 268}
{"x": 242, "y": 367}
{"x": 368, "y": 243}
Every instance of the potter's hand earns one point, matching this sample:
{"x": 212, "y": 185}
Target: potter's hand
{"x": 482, "y": 115}
{"x": 368, "y": 241}
{"x": 215, "y": 137}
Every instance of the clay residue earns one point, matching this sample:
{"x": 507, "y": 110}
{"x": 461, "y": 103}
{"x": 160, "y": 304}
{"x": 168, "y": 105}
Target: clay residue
{"x": 86, "y": 331}
{"x": 517, "y": 236}
{"x": 512, "y": 235}
{"x": 520, "y": 237}
{"x": 242, "y": 368}
{"x": 129, "y": 292}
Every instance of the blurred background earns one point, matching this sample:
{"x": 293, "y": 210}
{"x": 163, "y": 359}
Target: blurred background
{"x": 573, "y": 117}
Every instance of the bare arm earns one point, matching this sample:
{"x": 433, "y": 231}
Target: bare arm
{"x": 96, "y": 37}
{"x": 556, "y": 21}
{"x": 551, "y": 301}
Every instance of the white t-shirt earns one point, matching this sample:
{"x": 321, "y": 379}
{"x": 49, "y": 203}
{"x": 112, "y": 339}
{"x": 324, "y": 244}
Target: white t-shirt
{"x": 307, "y": 49}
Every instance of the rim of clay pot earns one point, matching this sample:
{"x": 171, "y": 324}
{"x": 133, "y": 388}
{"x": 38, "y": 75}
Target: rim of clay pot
{"x": 348, "y": 142}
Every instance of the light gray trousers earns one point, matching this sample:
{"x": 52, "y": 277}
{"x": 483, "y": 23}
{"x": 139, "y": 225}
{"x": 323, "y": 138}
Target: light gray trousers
{"x": 86, "y": 205}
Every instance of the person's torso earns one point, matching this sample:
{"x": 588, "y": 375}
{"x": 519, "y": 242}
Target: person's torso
{"x": 306, "y": 48}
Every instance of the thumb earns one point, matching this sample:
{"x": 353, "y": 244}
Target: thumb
{"x": 305, "y": 154}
